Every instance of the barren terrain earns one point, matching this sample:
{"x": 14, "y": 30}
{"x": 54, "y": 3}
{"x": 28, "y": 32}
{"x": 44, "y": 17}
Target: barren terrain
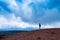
{"x": 41, "y": 34}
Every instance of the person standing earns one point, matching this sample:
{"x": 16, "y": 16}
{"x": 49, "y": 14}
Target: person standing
{"x": 39, "y": 25}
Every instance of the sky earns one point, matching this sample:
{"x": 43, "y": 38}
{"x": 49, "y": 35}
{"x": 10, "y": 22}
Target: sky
{"x": 27, "y": 14}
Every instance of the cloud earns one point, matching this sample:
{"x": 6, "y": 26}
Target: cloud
{"x": 38, "y": 12}
{"x": 51, "y": 16}
{"x": 42, "y": 15}
{"x": 29, "y": 13}
{"x": 52, "y": 25}
{"x": 14, "y": 22}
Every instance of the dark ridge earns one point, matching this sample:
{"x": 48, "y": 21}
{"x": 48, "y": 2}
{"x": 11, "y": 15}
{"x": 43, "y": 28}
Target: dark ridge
{"x": 10, "y": 32}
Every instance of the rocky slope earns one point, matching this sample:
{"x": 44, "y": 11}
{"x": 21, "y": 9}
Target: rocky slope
{"x": 42, "y": 34}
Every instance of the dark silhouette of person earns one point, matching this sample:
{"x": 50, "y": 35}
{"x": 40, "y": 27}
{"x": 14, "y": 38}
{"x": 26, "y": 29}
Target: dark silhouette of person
{"x": 39, "y": 25}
